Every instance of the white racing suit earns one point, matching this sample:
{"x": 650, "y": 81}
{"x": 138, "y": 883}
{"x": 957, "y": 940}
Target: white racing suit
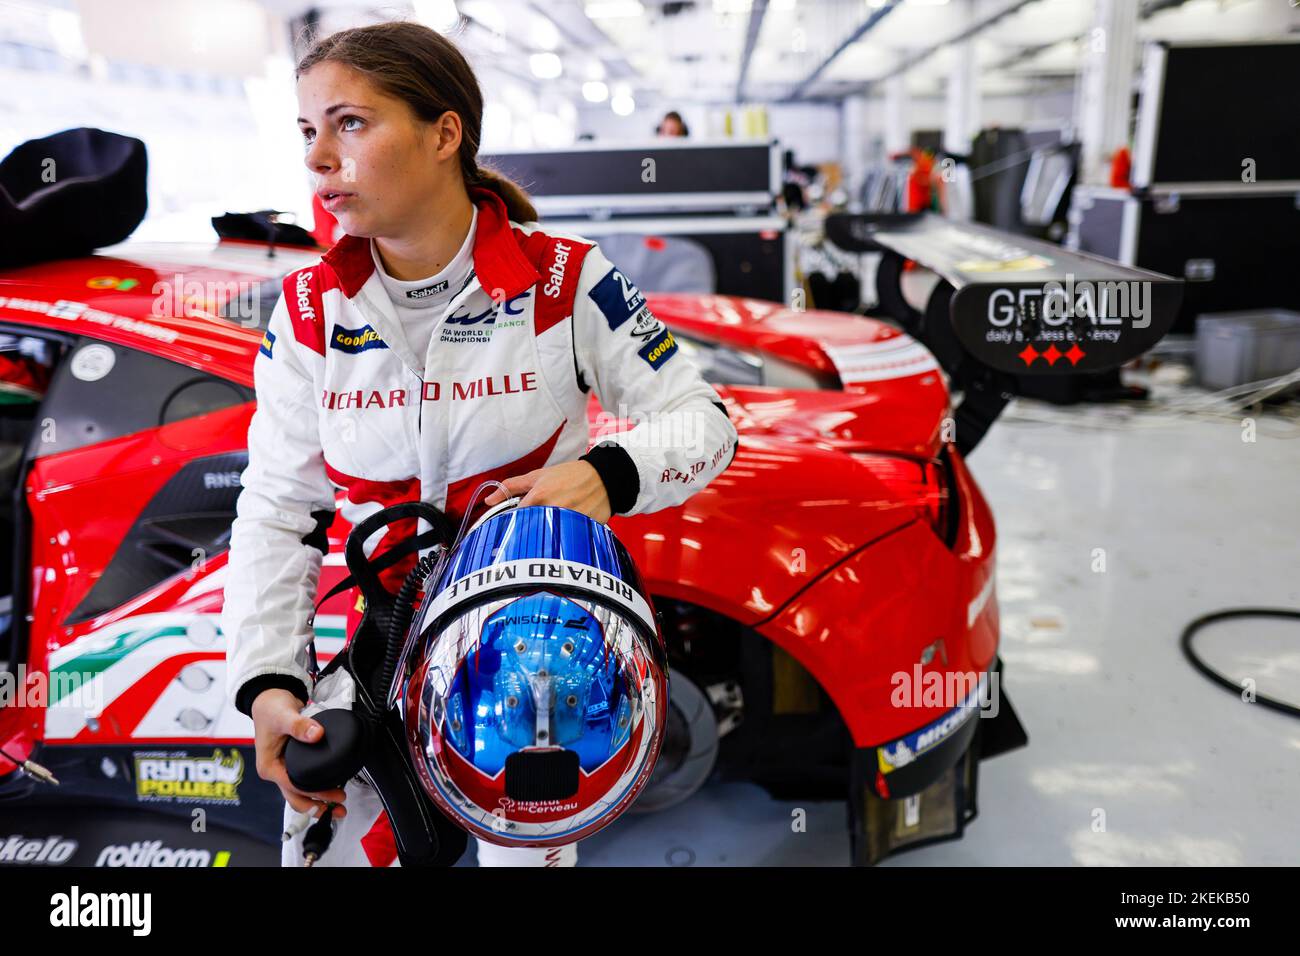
{"x": 347, "y": 413}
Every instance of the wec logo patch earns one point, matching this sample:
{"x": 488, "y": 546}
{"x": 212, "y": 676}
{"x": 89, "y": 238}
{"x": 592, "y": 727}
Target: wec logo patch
{"x": 356, "y": 340}
{"x": 617, "y": 298}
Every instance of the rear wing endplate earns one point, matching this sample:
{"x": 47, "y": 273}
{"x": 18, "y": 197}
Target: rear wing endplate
{"x": 1008, "y": 306}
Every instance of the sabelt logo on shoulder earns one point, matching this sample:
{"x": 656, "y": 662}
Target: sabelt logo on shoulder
{"x": 556, "y": 270}
{"x": 356, "y": 340}
{"x": 189, "y": 779}
{"x": 19, "y": 850}
{"x": 302, "y": 291}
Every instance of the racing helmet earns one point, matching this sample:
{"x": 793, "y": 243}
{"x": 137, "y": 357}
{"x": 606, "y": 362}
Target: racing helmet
{"x": 537, "y": 692}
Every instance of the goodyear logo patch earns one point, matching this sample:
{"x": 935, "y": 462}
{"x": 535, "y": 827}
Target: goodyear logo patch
{"x": 356, "y": 340}
{"x": 617, "y": 298}
{"x": 268, "y": 343}
{"x": 658, "y": 350}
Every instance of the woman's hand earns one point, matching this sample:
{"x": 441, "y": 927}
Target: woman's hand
{"x": 573, "y": 484}
{"x": 277, "y": 716}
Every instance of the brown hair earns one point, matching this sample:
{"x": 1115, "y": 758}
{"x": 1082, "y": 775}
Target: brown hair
{"x": 425, "y": 70}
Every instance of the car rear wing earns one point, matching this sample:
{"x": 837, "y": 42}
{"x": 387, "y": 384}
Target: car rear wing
{"x": 1008, "y": 306}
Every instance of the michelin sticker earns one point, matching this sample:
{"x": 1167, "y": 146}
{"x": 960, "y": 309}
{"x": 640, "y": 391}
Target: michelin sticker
{"x": 93, "y": 362}
{"x": 902, "y": 752}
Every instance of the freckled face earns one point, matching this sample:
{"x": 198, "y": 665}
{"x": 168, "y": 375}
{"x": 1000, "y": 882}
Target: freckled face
{"x": 377, "y": 166}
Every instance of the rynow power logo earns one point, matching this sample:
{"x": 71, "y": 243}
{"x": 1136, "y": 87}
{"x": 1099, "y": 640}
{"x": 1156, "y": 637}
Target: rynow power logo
{"x": 212, "y": 779}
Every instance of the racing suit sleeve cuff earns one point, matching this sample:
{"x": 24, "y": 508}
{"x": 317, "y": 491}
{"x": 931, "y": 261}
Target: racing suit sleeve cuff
{"x": 255, "y": 685}
{"x": 618, "y": 473}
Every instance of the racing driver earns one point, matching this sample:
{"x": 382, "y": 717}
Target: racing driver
{"x": 445, "y": 339}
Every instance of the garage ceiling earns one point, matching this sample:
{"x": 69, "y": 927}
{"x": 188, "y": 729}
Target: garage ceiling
{"x": 693, "y": 50}
{"x": 687, "y": 51}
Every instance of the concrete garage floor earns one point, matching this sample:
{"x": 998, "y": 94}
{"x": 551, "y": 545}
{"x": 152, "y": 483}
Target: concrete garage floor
{"x": 1191, "y": 519}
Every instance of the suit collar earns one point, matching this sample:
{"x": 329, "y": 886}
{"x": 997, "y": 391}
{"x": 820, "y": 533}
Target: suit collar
{"x": 498, "y": 260}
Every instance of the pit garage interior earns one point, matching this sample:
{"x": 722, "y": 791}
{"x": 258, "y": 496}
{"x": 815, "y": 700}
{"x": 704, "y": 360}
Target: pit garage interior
{"x": 838, "y": 172}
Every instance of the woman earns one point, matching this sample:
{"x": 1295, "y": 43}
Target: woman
{"x": 446, "y": 339}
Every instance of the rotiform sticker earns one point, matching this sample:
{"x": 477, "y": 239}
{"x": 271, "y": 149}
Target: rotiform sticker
{"x": 92, "y": 362}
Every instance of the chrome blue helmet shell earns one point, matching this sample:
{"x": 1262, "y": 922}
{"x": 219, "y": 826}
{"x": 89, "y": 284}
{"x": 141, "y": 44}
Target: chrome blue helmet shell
{"x": 536, "y": 704}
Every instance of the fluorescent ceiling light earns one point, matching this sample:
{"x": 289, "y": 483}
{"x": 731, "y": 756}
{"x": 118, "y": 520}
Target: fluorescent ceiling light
{"x": 613, "y": 9}
{"x": 441, "y": 15}
{"x": 623, "y": 104}
{"x": 544, "y": 33}
{"x": 545, "y": 66}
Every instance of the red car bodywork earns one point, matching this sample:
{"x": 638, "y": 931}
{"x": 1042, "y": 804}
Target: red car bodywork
{"x": 826, "y": 535}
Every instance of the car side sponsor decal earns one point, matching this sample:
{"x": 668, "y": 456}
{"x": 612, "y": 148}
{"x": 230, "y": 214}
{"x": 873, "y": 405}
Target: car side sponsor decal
{"x": 180, "y": 777}
{"x": 80, "y": 312}
{"x": 900, "y": 753}
{"x": 268, "y": 343}
{"x": 356, "y": 340}
{"x": 92, "y": 362}
{"x": 18, "y": 850}
{"x": 155, "y": 853}
{"x": 617, "y": 298}
{"x": 659, "y": 349}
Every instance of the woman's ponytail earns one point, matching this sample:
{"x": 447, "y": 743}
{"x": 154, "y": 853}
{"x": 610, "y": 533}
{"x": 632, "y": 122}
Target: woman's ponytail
{"x": 518, "y": 206}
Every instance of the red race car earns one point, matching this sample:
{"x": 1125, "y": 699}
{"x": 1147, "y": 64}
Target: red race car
{"x": 829, "y": 601}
